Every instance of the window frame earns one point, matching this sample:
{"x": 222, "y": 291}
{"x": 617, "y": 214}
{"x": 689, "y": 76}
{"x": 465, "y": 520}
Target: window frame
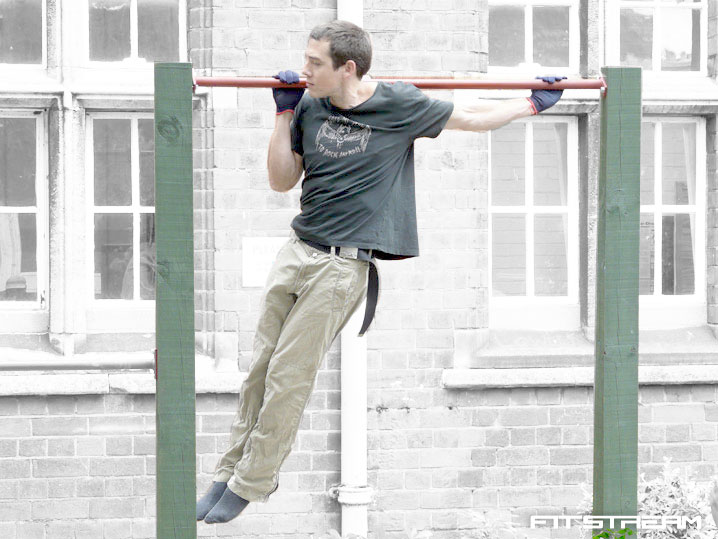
{"x": 133, "y": 72}
{"x": 524, "y": 67}
{"x": 115, "y": 315}
{"x": 612, "y": 42}
{"x": 31, "y": 73}
{"x": 540, "y": 312}
{"x": 33, "y": 316}
{"x": 134, "y": 38}
{"x": 659, "y": 311}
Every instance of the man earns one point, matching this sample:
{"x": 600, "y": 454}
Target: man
{"x": 353, "y": 141}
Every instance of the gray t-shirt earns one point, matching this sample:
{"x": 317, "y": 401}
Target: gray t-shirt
{"x": 358, "y": 187}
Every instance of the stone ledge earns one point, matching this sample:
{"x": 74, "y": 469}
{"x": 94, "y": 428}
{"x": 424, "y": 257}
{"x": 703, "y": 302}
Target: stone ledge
{"x": 210, "y": 378}
{"x": 572, "y": 376}
{"x": 87, "y": 383}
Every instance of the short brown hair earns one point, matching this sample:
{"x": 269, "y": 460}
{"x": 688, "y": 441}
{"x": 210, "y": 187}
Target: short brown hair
{"x": 347, "y": 41}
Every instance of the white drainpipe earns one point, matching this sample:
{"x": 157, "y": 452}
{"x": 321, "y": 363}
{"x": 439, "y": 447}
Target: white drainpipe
{"x": 354, "y": 493}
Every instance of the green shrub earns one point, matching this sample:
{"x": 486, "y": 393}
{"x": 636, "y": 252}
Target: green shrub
{"x": 670, "y": 493}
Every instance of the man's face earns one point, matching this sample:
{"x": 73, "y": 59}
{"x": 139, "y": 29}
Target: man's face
{"x": 322, "y": 79}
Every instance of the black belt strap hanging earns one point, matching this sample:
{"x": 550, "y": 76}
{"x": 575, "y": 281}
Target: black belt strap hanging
{"x": 372, "y": 291}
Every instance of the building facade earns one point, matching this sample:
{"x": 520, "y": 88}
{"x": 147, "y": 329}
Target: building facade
{"x": 479, "y": 363}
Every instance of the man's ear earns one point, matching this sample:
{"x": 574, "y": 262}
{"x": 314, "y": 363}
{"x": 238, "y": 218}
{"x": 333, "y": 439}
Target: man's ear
{"x": 350, "y": 68}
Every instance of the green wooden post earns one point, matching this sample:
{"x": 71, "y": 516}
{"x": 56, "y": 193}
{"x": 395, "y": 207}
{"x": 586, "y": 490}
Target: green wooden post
{"x": 615, "y": 449}
{"x": 176, "y": 479}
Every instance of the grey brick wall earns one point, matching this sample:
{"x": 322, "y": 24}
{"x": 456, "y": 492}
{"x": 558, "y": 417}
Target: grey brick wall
{"x": 712, "y": 38}
{"x": 83, "y": 466}
{"x": 439, "y": 37}
{"x": 249, "y": 38}
{"x": 199, "y": 36}
{"x": 712, "y": 220}
{"x": 204, "y": 236}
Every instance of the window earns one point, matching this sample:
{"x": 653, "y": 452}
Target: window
{"x": 133, "y": 29}
{"x": 98, "y": 55}
{"x": 672, "y": 248}
{"x": 23, "y": 226}
{"x": 122, "y": 168}
{"x": 120, "y": 194}
{"x": 528, "y": 34}
{"x": 658, "y": 35}
{"x": 22, "y": 31}
{"x": 119, "y": 40}
{"x": 534, "y": 224}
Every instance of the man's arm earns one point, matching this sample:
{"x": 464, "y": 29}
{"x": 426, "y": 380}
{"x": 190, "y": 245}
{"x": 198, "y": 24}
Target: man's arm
{"x": 487, "y": 115}
{"x": 283, "y": 164}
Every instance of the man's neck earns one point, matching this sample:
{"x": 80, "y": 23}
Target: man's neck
{"x": 353, "y": 95}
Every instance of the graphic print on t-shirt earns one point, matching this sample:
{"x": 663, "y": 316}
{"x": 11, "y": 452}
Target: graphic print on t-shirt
{"x": 339, "y": 137}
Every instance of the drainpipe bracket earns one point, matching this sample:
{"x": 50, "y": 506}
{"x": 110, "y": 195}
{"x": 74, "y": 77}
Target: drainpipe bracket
{"x": 354, "y": 495}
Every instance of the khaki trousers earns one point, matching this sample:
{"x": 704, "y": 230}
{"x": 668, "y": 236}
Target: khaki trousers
{"x": 309, "y": 297}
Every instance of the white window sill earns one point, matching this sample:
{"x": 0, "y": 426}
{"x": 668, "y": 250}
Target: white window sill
{"x": 210, "y": 376}
{"x": 560, "y": 359}
{"x": 572, "y": 376}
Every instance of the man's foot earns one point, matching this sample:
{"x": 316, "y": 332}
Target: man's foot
{"x": 210, "y": 499}
{"x": 228, "y": 507}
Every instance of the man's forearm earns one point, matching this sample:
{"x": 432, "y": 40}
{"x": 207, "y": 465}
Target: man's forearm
{"x": 281, "y": 163}
{"x": 488, "y": 115}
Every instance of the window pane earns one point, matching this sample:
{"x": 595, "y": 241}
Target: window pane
{"x": 681, "y": 39}
{"x": 18, "y": 257}
{"x": 113, "y": 256}
{"x": 550, "y": 255}
{"x": 147, "y": 256}
{"x": 147, "y": 162}
{"x": 17, "y": 161}
{"x": 147, "y": 261}
{"x": 551, "y": 35}
{"x": 637, "y": 38}
{"x": 679, "y": 163}
{"x": 154, "y": 45}
{"x": 506, "y": 35}
{"x": 550, "y": 163}
{"x": 648, "y": 179}
{"x": 508, "y": 169}
{"x": 646, "y": 255}
{"x": 678, "y": 272}
{"x": 21, "y": 31}
{"x": 509, "y": 255}
{"x": 113, "y": 179}
{"x": 109, "y": 30}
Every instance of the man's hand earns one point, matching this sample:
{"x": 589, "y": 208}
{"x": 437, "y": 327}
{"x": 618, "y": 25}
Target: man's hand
{"x": 287, "y": 99}
{"x": 542, "y": 99}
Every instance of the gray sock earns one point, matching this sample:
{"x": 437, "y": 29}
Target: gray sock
{"x": 209, "y": 500}
{"x": 228, "y": 507}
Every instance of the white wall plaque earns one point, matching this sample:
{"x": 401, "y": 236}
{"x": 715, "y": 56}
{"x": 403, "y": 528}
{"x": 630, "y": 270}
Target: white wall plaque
{"x": 258, "y": 255}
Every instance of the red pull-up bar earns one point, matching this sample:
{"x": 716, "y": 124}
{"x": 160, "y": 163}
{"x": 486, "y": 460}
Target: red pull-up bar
{"x": 423, "y": 83}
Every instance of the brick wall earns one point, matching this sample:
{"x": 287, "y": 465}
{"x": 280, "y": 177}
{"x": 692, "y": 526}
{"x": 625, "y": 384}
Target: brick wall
{"x": 200, "y": 47}
{"x": 440, "y": 37}
{"x": 83, "y": 466}
{"x": 249, "y": 38}
{"x": 204, "y": 235}
{"x": 712, "y": 220}
{"x": 712, "y": 38}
